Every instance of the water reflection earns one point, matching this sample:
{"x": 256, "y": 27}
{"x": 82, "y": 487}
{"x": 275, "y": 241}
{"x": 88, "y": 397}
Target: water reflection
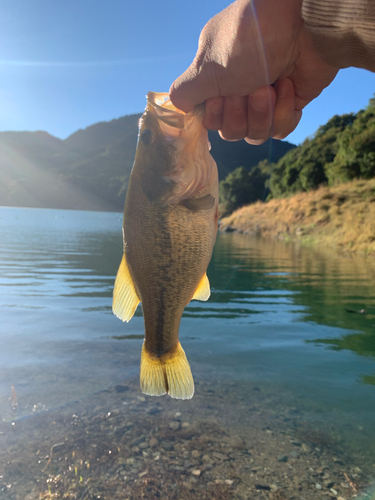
{"x": 276, "y": 356}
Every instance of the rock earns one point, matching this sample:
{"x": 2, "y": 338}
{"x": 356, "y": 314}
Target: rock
{"x": 294, "y": 454}
{"x": 318, "y": 486}
{"x": 196, "y": 472}
{"x": 167, "y": 445}
{"x": 207, "y": 459}
{"x": 220, "y": 456}
{"x": 282, "y": 458}
{"x": 262, "y": 487}
{"x": 174, "y": 425}
{"x": 143, "y": 445}
{"x": 274, "y": 487}
{"x": 229, "y": 482}
{"x": 141, "y": 398}
{"x": 295, "y": 442}
{"x": 153, "y": 442}
{"x": 196, "y": 454}
{"x": 305, "y": 448}
{"x": 332, "y": 490}
{"x": 185, "y": 424}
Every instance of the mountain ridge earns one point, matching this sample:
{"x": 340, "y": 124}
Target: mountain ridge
{"x": 89, "y": 170}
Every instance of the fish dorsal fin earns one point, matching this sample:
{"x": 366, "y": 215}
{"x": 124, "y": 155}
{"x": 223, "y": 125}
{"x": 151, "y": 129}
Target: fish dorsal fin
{"x": 203, "y": 291}
{"x": 169, "y": 374}
{"x": 125, "y": 298}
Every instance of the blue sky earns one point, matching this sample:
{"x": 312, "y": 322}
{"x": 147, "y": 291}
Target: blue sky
{"x": 66, "y": 64}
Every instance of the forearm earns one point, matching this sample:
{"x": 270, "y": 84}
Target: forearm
{"x": 343, "y": 31}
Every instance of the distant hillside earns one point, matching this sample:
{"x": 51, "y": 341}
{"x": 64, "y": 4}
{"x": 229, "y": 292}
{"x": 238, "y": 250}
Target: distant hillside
{"x": 341, "y": 150}
{"x": 90, "y": 169}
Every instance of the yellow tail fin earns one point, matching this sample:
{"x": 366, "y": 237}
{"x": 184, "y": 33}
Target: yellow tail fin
{"x": 169, "y": 374}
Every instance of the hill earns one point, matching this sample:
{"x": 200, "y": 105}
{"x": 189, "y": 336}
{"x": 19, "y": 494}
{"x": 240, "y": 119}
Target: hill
{"x": 90, "y": 169}
{"x": 342, "y": 216}
{"x": 341, "y": 150}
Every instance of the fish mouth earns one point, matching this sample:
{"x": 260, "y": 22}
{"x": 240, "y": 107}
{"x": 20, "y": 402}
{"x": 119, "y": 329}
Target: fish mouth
{"x": 159, "y": 104}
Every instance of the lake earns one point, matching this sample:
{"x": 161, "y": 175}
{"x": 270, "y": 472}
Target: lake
{"x": 283, "y": 357}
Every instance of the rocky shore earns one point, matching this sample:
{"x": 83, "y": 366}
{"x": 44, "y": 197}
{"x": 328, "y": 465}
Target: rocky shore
{"x": 223, "y": 444}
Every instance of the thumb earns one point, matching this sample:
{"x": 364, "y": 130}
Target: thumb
{"x": 194, "y": 86}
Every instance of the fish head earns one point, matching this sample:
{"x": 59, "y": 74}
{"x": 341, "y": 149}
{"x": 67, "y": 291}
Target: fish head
{"x": 172, "y": 157}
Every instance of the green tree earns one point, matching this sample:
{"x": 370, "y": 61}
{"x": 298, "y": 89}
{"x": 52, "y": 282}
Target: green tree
{"x": 242, "y": 187}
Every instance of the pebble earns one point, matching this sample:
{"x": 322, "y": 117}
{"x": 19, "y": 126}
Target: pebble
{"x": 174, "y": 425}
{"x": 153, "y": 442}
{"x": 305, "y": 448}
{"x": 196, "y": 472}
{"x": 282, "y": 458}
{"x": 274, "y": 487}
{"x": 141, "y": 398}
{"x": 220, "y": 456}
{"x": 294, "y": 454}
{"x": 229, "y": 482}
{"x": 196, "y": 454}
{"x": 295, "y": 442}
{"x": 318, "y": 486}
{"x": 167, "y": 445}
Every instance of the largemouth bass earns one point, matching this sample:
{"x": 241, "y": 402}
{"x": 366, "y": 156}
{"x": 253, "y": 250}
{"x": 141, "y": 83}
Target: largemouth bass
{"x": 170, "y": 225}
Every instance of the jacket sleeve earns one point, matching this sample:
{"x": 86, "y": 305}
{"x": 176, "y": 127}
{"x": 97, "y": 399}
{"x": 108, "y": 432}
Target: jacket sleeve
{"x": 343, "y": 31}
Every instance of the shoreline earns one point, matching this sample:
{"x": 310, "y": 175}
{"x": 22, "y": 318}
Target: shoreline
{"x": 341, "y": 217}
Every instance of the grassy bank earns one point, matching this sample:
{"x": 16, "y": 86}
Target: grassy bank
{"x": 342, "y": 216}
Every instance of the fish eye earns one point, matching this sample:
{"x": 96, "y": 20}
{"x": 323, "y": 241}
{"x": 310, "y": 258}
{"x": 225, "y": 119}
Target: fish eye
{"x": 146, "y": 137}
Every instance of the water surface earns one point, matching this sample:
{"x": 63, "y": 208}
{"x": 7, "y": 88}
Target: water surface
{"x": 283, "y": 332}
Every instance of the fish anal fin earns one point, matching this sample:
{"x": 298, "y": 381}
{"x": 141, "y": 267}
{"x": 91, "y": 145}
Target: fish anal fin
{"x": 167, "y": 374}
{"x": 125, "y": 298}
{"x": 203, "y": 291}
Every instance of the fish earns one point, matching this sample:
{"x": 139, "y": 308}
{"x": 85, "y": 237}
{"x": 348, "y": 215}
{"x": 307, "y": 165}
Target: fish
{"x": 169, "y": 231}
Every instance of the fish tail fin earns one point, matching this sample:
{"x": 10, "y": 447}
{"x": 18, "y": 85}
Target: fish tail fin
{"x": 169, "y": 374}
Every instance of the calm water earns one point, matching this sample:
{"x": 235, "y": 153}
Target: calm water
{"x": 280, "y": 316}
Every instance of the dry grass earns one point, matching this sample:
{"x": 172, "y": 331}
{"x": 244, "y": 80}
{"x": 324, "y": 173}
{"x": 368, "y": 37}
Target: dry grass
{"x": 342, "y": 216}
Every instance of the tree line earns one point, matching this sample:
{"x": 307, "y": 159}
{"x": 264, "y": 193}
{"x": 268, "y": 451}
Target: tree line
{"x": 341, "y": 150}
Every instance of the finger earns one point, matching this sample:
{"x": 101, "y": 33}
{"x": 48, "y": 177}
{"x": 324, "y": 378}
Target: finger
{"x": 194, "y": 86}
{"x": 213, "y": 116}
{"x": 234, "y": 126}
{"x": 286, "y": 117}
{"x": 260, "y": 109}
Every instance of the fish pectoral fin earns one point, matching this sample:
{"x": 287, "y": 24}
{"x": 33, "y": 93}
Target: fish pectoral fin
{"x": 125, "y": 298}
{"x": 168, "y": 374}
{"x": 196, "y": 204}
{"x": 203, "y": 291}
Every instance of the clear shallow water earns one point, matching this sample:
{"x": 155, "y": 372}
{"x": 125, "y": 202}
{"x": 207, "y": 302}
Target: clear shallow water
{"x": 279, "y": 317}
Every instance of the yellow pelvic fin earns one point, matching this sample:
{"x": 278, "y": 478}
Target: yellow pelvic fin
{"x": 169, "y": 374}
{"x": 125, "y": 298}
{"x": 203, "y": 291}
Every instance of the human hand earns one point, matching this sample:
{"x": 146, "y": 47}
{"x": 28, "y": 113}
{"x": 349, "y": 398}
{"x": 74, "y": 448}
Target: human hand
{"x": 256, "y": 68}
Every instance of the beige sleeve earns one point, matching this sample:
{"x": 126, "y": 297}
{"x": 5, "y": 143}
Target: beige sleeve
{"x": 343, "y": 31}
